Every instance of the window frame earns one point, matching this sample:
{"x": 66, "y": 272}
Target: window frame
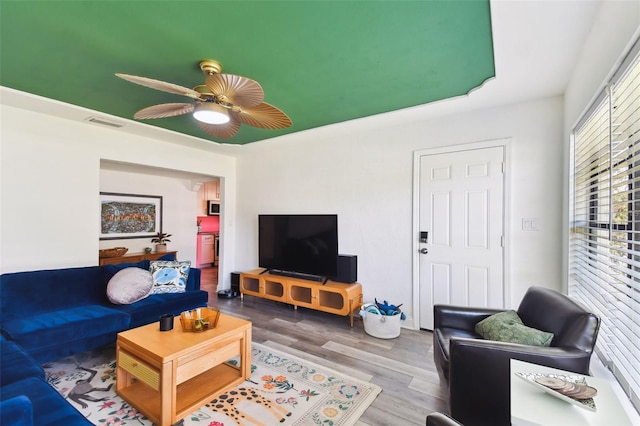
{"x": 604, "y": 268}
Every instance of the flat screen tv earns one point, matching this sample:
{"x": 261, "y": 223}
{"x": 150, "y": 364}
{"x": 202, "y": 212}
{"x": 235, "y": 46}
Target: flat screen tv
{"x": 299, "y": 244}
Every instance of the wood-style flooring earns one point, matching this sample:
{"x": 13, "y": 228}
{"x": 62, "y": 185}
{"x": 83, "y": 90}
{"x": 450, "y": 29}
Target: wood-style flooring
{"x": 402, "y": 367}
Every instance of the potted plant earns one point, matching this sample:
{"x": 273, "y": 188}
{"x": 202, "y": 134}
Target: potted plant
{"x": 161, "y": 239}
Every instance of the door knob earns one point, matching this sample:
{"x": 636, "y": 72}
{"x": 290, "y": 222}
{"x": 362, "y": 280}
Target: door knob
{"x": 424, "y": 250}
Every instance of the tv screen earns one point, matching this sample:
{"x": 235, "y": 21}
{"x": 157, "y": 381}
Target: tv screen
{"x": 306, "y": 243}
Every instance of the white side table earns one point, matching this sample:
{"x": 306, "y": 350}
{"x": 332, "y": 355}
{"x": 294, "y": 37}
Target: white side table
{"x": 531, "y": 406}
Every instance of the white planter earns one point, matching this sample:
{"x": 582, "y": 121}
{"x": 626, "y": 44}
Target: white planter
{"x": 382, "y": 326}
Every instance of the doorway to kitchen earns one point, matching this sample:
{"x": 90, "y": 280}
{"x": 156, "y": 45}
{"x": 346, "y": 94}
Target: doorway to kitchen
{"x": 208, "y": 237}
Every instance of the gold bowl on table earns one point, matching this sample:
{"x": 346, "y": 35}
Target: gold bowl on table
{"x": 199, "y": 319}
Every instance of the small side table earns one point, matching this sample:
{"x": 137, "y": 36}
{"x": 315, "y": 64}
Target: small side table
{"x": 531, "y": 406}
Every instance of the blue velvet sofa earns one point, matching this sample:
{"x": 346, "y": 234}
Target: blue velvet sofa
{"x": 56, "y": 313}
{"x": 47, "y": 315}
{"x": 27, "y": 399}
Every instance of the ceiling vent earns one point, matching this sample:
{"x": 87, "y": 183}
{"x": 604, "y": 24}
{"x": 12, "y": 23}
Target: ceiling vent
{"x": 104, "y": 122}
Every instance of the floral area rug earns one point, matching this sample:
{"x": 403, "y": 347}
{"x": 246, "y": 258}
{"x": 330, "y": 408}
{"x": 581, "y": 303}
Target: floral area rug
{"x": 283, "y": 389}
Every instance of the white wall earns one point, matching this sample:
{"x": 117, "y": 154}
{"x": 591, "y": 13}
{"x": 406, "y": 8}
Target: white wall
{"x": 362, "y": 171}
{"x": 179, "y": 207}
{"x": 612, "y": 31}
{"x": 50, "y": 183}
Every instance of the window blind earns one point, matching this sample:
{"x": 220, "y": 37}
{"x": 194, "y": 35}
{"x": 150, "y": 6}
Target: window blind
{"x": 604, "y": 258}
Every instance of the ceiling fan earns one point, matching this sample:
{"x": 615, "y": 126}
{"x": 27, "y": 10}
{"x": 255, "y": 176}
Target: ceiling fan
{"x": 220, "y": 105}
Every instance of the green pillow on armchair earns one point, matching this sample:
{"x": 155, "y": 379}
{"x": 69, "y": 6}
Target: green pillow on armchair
{"x": 508, "y": 327}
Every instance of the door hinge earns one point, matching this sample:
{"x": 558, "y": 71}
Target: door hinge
{"x": 502, "y": 167}
{"x": 502, "y": 241}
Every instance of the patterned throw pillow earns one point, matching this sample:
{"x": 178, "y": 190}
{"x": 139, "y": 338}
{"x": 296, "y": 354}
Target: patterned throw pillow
{"x": 508, "y": 327}
{"x": 129, "y": 285}
{"x": 169, "y": 276}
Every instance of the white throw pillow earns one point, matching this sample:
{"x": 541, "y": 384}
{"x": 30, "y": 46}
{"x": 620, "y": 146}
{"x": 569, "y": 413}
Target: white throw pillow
{"x": 129, "y": 285}
{"x": 169, "y": 276}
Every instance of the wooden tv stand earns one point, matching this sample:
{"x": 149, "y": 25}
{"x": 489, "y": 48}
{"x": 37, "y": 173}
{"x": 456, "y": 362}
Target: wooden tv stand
{"x": 332, "y": 297}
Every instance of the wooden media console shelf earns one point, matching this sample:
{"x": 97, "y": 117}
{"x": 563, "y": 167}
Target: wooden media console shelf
{"x": 332, "y": 297}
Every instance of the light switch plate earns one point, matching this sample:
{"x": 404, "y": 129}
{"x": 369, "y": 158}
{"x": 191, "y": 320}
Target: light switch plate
{"x": 530, "y": 224}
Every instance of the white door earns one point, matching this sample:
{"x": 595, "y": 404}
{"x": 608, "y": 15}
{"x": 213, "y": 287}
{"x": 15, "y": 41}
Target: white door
{"x": 461, "y": 198}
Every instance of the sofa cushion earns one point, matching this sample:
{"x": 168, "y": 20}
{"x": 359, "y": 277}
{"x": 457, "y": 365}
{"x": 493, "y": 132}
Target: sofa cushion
{"x": 16, "y": 411}
{"x": 50, "y": 290}
{"x": 129, "y": 285}
{"x": 16, "y": 364}
{"x": 508, "y": 327}
{"x": 193, "y": 281}
{"x": 111, "y": 269}
{"x": 169, "y": 276}
{"x": 53, "y": 328}
{"x": 49, "y": 407}
{"x": 149, "y": 309}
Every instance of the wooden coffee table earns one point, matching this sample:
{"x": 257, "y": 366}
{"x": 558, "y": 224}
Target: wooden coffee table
{"x": 168, "y": 375}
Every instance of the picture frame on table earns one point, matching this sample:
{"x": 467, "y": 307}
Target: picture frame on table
{"x": 128, "y": 216}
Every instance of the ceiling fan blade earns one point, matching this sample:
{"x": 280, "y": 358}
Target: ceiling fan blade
{"x": 235, "y": 89}
{"x": 264, "y": 116}
{"x": 164, "y": 110}
{"x": 160, "y": 85}
{"x": 224, "y": 131}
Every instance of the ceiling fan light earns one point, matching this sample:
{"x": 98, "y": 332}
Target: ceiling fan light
{"x": 211, "y": 113}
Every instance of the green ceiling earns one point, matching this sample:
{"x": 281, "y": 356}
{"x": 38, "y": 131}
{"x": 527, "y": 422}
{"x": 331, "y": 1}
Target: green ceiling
{"x": 321, "y": 62}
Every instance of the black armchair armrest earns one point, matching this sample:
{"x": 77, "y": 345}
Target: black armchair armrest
{"x": 460, "y": 317}
{"x": 439, "y": 419}
{"x": 479, "y": 375}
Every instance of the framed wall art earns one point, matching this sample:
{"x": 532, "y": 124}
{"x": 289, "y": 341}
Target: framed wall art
{"x": 125, "y": 216}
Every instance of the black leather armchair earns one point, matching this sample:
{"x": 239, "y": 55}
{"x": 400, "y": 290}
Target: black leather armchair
{"x": 477, "y": 371}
